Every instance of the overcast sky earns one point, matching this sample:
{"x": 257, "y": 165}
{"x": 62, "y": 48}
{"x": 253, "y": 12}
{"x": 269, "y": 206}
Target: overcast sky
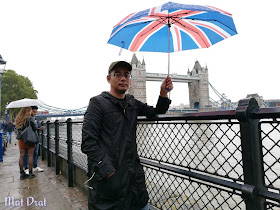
{"x": 61, "y": 46}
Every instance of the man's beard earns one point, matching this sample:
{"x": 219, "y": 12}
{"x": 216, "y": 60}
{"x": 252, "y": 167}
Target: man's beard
{"x": 122, "y": 91}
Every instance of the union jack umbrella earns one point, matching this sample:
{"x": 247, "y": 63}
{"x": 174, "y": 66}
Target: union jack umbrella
{"x": 173, "y": 27}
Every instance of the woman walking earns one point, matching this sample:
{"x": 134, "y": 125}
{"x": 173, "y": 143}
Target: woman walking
{"x": 22, "y": 121}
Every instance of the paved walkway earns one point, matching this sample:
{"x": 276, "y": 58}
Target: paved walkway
{"x": 46, "y": 190}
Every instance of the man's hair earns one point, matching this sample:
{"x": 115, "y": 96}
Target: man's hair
{"x": 34, "y": 107}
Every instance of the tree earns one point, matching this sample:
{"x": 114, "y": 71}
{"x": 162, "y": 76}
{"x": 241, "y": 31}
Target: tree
{"x": 15, "y": 87}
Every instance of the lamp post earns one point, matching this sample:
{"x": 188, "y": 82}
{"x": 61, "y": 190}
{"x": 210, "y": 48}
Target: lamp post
{"x": 2, "y": 70}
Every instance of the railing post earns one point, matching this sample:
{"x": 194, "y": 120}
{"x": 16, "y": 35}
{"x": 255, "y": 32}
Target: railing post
{"x": 69, "y": 152}
{"x": 56, "y": 127}
{"x": 48, "y": 144}
{"x": 252, "y": 155}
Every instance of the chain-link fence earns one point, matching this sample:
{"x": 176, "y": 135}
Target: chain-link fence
{"x": 212, "y": 148}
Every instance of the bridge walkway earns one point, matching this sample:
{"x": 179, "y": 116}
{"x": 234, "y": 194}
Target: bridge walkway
{"x": 46, "y": 188}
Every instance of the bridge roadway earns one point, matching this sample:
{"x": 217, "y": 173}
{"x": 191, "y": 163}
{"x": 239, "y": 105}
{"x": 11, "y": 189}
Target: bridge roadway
{"x": 155, "y": 77}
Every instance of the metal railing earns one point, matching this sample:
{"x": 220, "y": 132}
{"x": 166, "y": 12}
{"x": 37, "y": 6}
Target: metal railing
{"x": 211, "y": 160}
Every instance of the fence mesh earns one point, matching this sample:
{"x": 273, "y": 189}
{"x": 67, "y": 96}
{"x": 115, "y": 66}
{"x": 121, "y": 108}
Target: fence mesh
{"x": 62, "y": 140}
{"x": 270, "y": 136}
{"x": 213, "y": 148}
{"x": 52, "y": 135}
{"x": 79, "y": 158}
{"x": 167, "y": 191}
{"x": 271, "y": 146}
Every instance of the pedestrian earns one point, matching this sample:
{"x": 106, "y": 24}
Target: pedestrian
{"x": 116, "y": 177}
{"x": 9, "y": 130}
{"x": 22, "y": 121}
{"x": 35, "y": 155}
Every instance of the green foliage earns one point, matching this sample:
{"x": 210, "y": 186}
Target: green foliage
{"x": 15, "y": 87}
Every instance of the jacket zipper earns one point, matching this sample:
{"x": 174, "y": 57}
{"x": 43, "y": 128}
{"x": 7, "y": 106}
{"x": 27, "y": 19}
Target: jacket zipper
{"x": 124, "y": 110}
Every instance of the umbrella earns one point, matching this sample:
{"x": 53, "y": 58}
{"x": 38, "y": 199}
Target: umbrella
{"x": 25, "y": 103}
{"x": 173, "y": 27}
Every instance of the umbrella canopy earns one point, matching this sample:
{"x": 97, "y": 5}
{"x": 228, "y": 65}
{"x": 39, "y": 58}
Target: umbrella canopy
{"x": 173, "y": 27}
{"x": 25, "y": 103}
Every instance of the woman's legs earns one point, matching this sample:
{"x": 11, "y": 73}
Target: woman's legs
{"x": 30, "y": 159}
{"x": 23, "y": 175}
{"x": 21, "y": 158}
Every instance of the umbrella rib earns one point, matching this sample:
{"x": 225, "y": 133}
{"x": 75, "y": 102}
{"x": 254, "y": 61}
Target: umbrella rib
{"x": 208, "y": 20}
{"x": 188, "y": 28}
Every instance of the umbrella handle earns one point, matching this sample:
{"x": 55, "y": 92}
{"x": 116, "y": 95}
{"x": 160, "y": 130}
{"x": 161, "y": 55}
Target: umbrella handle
{"x": 169, "y": 93}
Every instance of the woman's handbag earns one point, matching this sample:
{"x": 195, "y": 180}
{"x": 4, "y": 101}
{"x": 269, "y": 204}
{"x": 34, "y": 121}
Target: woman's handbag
{"x": 29, "y": 136}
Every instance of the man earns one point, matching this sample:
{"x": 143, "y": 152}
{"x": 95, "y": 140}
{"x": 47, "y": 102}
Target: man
{"x": 9, "y": 130}
{"x": 35, "y": 154}
{"x": 116, "y": 177}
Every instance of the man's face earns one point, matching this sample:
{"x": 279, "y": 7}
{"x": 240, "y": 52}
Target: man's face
{"x": 34, "y": 112}
{"x": 119, "y": 84}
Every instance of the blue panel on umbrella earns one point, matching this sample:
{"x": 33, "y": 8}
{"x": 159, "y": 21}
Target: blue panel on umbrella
{"x": 126, "y": 35}
{"x": 212, "y": 36}
{"x": 158, "y": 42}
{"x": 187, "y": 42}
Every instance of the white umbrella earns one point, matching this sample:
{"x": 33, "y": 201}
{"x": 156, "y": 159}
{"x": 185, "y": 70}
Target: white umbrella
{"x": 25, "y": 103}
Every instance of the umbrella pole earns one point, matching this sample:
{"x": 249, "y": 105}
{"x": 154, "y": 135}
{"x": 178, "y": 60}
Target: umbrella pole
{"x": 168, "y": 51}
{"x": 168, "y": 46}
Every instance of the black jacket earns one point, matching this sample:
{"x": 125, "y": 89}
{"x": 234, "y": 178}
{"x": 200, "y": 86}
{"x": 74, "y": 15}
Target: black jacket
{"x": 33, "y": 124}
{"x": 9, "y": 127}
{"x": 109, "y": 140}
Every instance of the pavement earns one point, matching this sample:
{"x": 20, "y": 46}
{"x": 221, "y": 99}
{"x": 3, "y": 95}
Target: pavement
{"x": 46, "y": 191}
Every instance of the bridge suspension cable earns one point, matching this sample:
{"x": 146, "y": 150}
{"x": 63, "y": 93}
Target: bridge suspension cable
{"x": 223, "y": 99}
{"x": 49, "y": 111}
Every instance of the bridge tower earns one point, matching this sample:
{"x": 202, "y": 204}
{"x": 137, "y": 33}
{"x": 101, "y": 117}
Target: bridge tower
{"x": 199, "y": 89}
{"x": 138, "y": 82}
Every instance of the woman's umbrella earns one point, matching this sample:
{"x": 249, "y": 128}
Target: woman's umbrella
{"x": 25, "y": 103}
{"x": 173, "y": 27}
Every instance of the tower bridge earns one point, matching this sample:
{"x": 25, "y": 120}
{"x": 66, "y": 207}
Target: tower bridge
{"x": 197, "y": 80}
